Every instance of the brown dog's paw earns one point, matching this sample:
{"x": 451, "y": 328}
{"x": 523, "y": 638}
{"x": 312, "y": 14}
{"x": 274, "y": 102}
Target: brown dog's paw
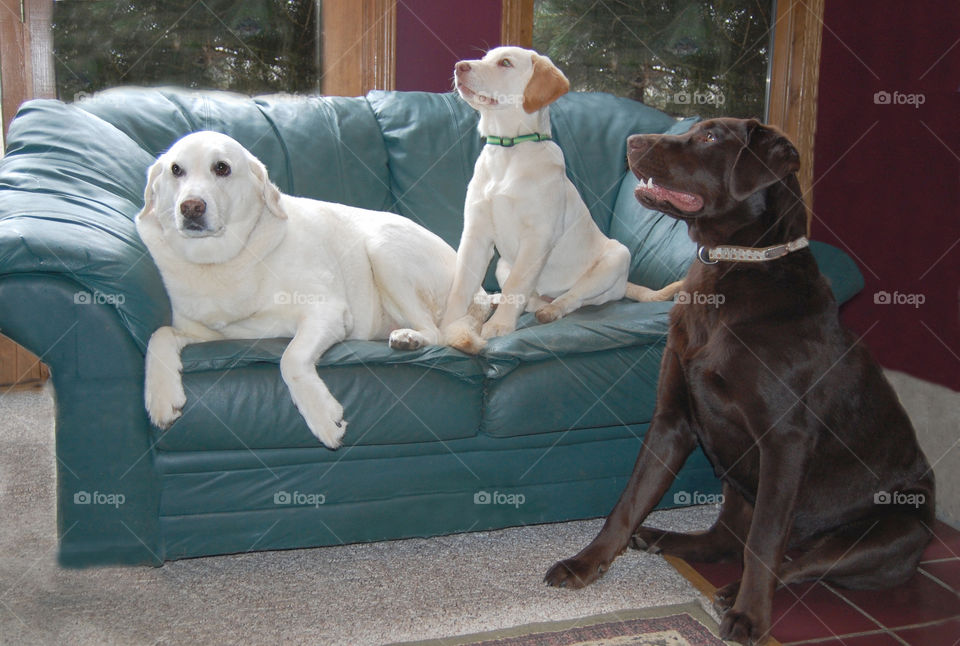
{"x": 574, "y": 573}
{"x": 724, "y": 597}
{"x": 645, "y": 540}
{"x": 739, "y": 627}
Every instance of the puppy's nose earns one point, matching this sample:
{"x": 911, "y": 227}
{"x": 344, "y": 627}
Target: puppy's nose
{"x": 193, "y": 209}
{"x": 463, "y": 67}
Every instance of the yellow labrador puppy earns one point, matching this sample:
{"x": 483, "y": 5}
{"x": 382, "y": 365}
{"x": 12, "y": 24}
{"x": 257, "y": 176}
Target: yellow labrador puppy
{"x": 240, "y": 260}
{"x": 553, "y": 257}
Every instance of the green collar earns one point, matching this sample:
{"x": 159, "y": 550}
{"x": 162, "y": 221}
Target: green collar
{"x": 506, "y": 142}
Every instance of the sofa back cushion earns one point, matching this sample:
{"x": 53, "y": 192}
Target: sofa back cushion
{"x": 432, "y": 145}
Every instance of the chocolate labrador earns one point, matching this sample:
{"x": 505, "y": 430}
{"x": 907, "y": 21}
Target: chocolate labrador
{"x": 815, "y": 452}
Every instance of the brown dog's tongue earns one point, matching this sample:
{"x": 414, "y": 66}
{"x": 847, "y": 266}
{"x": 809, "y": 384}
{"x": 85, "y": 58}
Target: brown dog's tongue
{"x": 683, "y": 201}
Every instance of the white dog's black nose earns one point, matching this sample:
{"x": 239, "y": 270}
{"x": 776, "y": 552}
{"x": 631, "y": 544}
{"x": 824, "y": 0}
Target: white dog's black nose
{"x": 463, "y": 67}
{"x": 193, "y": 209}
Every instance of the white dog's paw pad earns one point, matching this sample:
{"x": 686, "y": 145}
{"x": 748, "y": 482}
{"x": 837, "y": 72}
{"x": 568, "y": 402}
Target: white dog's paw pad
{"x": 407, "y": 340}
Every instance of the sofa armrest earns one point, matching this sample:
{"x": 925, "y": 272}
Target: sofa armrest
{"x": 70, "y": 187}
{"x": 108, "y": 490}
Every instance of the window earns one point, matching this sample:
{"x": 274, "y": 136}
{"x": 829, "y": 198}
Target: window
{"x": 254, "y": 47}
{"x": 707, "y": 57}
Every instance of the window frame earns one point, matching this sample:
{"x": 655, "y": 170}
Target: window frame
{"x": 359, "y": 48}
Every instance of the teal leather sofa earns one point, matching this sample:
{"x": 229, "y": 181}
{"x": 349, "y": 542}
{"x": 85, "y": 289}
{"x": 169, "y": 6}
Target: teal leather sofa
{"x": 544, "y": 426}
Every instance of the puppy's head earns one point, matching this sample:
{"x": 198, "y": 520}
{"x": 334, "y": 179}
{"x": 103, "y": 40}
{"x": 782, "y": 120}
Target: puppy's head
{"x": 711, "y": 169}
{"x": 207, "y": 194}
{"x": 510, "y": 78}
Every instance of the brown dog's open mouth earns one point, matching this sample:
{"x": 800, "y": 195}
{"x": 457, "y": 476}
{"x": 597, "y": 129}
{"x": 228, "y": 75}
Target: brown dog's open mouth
{"x": 686, "y": 202}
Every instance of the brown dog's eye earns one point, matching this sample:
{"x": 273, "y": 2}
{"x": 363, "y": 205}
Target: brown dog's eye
{"x": 221, "y": 169}
{"x": 505, "y": 62}
{"x": 710, "y": 138}
{"x": 177, "y": 170}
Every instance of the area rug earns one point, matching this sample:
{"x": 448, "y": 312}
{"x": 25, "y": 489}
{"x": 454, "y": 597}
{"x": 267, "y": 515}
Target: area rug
{"x": 679, "y": 625}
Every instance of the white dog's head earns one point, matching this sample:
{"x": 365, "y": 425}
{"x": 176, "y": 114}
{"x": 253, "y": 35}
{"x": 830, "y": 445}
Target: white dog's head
{"x": 207, "y": 194}
{"x": 510, "y": 78}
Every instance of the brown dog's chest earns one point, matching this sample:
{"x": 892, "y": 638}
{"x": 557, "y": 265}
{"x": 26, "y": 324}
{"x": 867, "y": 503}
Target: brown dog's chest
{"x": 720, "y": 377}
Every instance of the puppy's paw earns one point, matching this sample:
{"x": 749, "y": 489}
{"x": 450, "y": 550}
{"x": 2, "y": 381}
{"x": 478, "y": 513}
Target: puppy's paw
{"x": 407, "y": 339}
{"x": 549, "y": 313}
{"x": 164, "y": 397}
{"x": 576, "y": 572}
{"x": 494, "y": 328}
{"x": 741, "y": 628}
{"x": 462, "y": 336}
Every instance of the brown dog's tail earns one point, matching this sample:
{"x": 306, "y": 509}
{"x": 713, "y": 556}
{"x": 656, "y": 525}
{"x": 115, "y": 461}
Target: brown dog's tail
{"x": 646, "y": 295}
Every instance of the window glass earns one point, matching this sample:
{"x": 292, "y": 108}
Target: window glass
{"x": 702, "y": 57}
{"x": 254, "y": 46}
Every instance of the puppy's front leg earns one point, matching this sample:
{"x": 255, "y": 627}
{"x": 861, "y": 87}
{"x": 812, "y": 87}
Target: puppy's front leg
{"x": 517, "y": 289}
{"x": 473, "y": 256}
{"x": 318, "y": 330}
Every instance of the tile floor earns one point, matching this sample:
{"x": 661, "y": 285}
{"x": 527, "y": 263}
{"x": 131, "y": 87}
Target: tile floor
{"x": 925, "y": 611}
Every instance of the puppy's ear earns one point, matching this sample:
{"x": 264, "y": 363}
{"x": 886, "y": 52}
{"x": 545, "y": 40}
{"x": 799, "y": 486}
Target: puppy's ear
{"x": 150, "y": 192}
{"x": 268, "y": 190}
{"x": 767, "y": 156}
{"x": 545, "y": 86}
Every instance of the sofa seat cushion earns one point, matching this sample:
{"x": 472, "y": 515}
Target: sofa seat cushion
{"x": 237, "y": 400}
{"x": 596, "y": 367}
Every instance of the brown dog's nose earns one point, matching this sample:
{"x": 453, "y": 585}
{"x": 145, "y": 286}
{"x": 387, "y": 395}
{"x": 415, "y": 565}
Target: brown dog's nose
{"x": 193, "y": 209}
{"x": 463, "y": 67}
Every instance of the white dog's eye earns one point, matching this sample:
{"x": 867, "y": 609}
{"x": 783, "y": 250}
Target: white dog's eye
{"x": 177, "y": 170}
{"x": 221, "y": 169}
{"x": 505, "y": 62}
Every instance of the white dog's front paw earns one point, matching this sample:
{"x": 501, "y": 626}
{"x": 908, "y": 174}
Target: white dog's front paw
{"x": 406, "y": 339}
{"x": 164, "y": 397}
{"x": 324, "y": 417}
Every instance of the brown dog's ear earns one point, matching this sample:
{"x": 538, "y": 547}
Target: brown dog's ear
{"x": 767, "y": 156}
{"x": 545, "y": 86}
{"x": 269, "y": 191}
{"x": 150, "y": 191}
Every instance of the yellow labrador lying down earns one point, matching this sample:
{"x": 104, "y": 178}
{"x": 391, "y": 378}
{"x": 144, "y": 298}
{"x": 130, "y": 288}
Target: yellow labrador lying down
{"x": 240, "y": 260}
{"x": 553, "y": 257}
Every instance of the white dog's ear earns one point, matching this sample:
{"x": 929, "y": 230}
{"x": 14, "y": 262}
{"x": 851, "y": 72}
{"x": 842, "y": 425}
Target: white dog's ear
{"x": 545, "y": 86}
{"x": 150, "y": 192}
{"x": 268, "y": 190}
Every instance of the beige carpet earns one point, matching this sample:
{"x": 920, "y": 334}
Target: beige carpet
{"x": 355, "y": 594}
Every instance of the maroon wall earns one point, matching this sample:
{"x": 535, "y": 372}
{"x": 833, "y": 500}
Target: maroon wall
{"x": 888, "y": 175}
{"x": 432, "y": 36}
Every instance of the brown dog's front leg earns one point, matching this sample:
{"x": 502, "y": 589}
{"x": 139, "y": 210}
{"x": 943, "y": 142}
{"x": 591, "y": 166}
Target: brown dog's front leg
{"x": 783, "y": 463}
{"x": 665, "y": 448}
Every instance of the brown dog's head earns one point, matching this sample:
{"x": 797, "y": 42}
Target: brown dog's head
{"x": 713, "y": 169}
